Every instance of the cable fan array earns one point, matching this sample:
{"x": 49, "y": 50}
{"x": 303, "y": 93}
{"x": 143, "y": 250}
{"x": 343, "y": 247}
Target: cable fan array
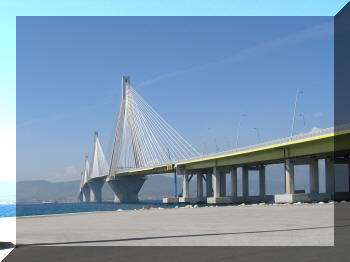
{"x": 99, "y": 166}
{"x": 144, "y": 139}
{"x": 85, "y": 174}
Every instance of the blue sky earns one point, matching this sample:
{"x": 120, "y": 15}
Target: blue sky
{"x": 199, "y": 73}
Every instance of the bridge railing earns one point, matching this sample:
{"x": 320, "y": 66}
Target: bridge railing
{"x": 298, "y": 137}
{"x": 302, "y": 136}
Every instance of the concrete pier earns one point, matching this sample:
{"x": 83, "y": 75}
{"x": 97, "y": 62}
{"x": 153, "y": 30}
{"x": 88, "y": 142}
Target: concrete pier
{"x": 80, "y": 196}
{"x": 233, "y": 181}
{"x": 289, "y": 176}
{"x": 262, "y": 182}
{"x": 209, "y": 184}
{"x": 291, "y": 195}
{"x": 126, "y": 189}
{"x": 185, "y": 189}
{"x": 215, "y": 179}
{"x": 314, "y": 176}
{"x": 185, "y": 186}
{"x": 86, "y": 193}
{"x": 245, "y": 182}
{"x": 200, "y": 188}
{"x": 96, "y": 185}
{"x": 330, "y": 181}
{"x": 219, "y": 187}
{"x": 220, "y": 196}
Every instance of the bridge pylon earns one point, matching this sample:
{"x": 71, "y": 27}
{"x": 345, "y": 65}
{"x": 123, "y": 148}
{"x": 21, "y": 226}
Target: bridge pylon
{"x": 125, "y": 189}
{"x": 142, "y": 140}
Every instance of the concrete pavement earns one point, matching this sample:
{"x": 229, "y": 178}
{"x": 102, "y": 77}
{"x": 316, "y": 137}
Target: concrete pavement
{"x": 261, "y": 225}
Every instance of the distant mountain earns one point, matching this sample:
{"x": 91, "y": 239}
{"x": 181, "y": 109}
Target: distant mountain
{"x": 156, "y": 187}
{"x": 42, "y": 190}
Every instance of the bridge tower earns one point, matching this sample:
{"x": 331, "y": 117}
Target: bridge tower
{"x": 98, "y": 171}
{"x": 135, "y": 140}
{"x": 86, "y": 188}
{"x": 125, "y": 189}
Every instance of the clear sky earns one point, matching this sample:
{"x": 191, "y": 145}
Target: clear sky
{"x": 199, "y": 73}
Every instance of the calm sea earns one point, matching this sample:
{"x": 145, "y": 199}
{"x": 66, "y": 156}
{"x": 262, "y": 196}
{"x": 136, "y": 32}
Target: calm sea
{"x": 10, "y": 210}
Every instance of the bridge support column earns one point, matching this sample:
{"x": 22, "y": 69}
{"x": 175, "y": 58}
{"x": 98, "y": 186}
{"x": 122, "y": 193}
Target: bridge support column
{"x": 216, "y": 182}
{"x": 245, "y": 183}
{"x": 262, "y": 182}
{"x": 86, "y": 193}
{"x": 292, "y": 195}
{"x": 313, "y": 176}
{"x": 330, "y": 185}
{"x": 126, "y": 189}
{"x": 289, "y": 175}
{"x": 96, "y": 189}
{"x": 222, "y": 183}
{"x": 209, "y": 184}
{"x": 200, "y": 187}
{"x": 219, "y": 187}
{"x": 219, "y": 184}
{"x": 180, "y": 170}
{"x": 185, "y": 186}
{"x": 234, "y": 181}
{"x": 80, "y": 197}
{"x": 186, "y": 190}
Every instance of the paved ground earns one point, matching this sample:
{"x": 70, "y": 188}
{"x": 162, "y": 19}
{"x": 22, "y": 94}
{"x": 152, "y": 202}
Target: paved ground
{"x": 281, "y": 225}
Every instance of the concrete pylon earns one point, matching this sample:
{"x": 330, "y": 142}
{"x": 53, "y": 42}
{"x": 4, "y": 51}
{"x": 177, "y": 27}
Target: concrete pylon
{"x": 234, "y": 181}
{"x": 86, "y": 193}
{"x": 290, "y": 188}
{"x": 185, "y": 185}
{"x": 245, "y": 182}
{"x": 219, "y": 182}
{"x": 314, "y": 177}
{"x": 80, "y": 196}
{"x": 126, "y": 189}
{"x": 96, "y": 185}
{"x": 223, "y": 183}
{"x": 262, "y": 181}
{"x": 209, "y": 184}
{"x": 330, "y": 183}
{"x": 200, "y": 186}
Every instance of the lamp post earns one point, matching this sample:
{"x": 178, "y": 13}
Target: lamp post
{"x": 295, "y": 107}
{"x": 239, "y": 126}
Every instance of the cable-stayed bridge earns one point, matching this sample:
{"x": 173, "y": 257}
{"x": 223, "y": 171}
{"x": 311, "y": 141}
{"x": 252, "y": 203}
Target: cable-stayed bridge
{"x": 145, "y": 144}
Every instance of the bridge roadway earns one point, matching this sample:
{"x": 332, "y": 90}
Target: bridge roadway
{"x": 304, "y": 149}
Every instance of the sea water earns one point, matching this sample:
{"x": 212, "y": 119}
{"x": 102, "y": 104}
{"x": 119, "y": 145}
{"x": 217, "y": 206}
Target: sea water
{"x": 12, "y": 210}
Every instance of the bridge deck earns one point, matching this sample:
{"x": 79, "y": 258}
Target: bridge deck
{"x": 267, "y": 153}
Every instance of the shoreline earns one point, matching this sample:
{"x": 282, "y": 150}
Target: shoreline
{"x": 174, "y": 206}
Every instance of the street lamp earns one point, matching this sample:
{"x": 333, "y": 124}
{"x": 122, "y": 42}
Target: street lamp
{"x": 295, "y": 107}
{"x": 239, "y": 126}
